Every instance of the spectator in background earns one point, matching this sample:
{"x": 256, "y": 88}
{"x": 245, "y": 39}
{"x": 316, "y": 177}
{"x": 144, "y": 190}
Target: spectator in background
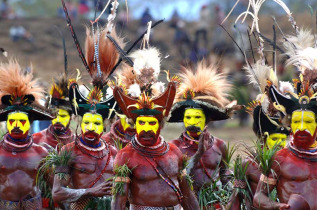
{"x": 18, "y": 32}
{"x": 202, "y": 26}
{"x": 83, "y": 7}
{"x": 181, "y": 38}
{"x": 4, "y": 9}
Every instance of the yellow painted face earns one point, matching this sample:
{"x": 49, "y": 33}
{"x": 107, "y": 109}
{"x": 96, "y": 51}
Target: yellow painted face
{"x": 304, "y": 121}
{"x": 62, "y": 117}
{"x": 276, "y": 138}
{"x": 147, "y": 123}
{"x": 18, "y": 120}
{"x": 194, "y": 117}
{"x": 92, "y": 122}
{"x": 124, "y": 123}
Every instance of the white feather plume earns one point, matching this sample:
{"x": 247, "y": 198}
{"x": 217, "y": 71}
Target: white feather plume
{"x": 134, "y": 90}
{"x": 286, "y": 87}
{"x": 301, "y": 41}
{"x": 304, "y": 59}
{"x": 259, "y": 73}
{"x": 147, "y": 59}
{"x": 158, "y": 88}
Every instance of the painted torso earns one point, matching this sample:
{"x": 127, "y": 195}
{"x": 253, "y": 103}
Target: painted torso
{"x": 85, "y": 168}
{"x": 146, "y": 187}
{"x": 210, "y": 159}
{"x": 296, "y": 175}
{"x": 18, "y": 172}
{"x": 47, "y": 136}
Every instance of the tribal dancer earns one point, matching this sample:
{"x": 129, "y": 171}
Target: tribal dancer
{"x": 200, "y": 100}
{"x": 81, "y": 181}
{"x": 136, "y": 80}
{"x": 149, "y": 171}
{"x": 19, "y": 156}
{"x": 270, "y": 133}
{"x": 58, "y": 134}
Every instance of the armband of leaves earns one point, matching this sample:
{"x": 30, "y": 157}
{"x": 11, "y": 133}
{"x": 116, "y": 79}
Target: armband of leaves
{"x": 122, "y": 174}
{"x": 184, "y": 173}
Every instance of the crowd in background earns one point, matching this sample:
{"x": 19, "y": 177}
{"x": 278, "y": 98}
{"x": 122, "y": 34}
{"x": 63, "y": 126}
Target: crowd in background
{"x": 192, "y": 42}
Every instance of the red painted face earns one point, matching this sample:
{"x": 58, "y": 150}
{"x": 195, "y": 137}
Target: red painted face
{"x": 304, "y": 140}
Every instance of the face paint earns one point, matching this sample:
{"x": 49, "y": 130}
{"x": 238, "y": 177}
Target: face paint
{"x": 276, "y": 138}
{"x": 194, "y": 121}
{"x": 125, "y": 125}
{"x": 18, "y": 125}
{"x": 92, "y": 126}
{"x": 148, "y": 130}
{"x": 62, "y": 120}
{"x": 304, "y": 129}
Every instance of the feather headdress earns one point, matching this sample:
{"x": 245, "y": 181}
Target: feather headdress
{"x": 143, "y": 75}
{"x": 102, "y": 56}
{"x": 206, "y": 89}
{"x": 18, "y": 91}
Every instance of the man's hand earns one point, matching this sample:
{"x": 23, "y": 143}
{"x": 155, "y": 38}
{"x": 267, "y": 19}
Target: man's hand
{"x": 101, "y": 189}
{"x": 282, "y": 206}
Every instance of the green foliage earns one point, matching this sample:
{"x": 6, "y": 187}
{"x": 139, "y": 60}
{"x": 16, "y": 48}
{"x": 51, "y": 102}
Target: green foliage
{"x": 120, "y": 171}
{"x": 54, "y": 159}
{"x": 118, "y": 144}
{"x": 211, "y": 194}
{"x": 264, "y": 157}
{"x": 229, "y": 154}
{"x": 240, "y": 174}
{"x": 188, "y": 178}
{"x": 102, "y": 203}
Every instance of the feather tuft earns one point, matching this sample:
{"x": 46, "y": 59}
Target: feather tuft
{"x": 134, "y": 90}
{"x": 147, "y": 64}
{"x": 108, "y": 54}
{"x": 205, "y": 81}
{"x": 259, "y": 74}
{"x": 16, "y": 82}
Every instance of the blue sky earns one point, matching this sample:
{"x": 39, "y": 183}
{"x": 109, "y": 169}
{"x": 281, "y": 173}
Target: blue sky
{"x": 188, "y": 9}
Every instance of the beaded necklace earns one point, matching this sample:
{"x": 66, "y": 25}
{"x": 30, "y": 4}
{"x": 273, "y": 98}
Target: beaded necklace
{"x": 87, "y": 150}
{"x": 10, "y": 146}
{"x": 153, "y": 152}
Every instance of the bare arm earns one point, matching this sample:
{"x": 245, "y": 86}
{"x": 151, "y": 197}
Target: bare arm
{"x": 119, "y": 200}
{"x": 189, "y": 201}
{"x": 265, "y": 186}
{"x": 121, "y": 181}
{"x": 63, "y": 194}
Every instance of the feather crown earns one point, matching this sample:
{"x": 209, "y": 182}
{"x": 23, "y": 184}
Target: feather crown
{"x": 19, "y": 91}
{"x": 204, "y": 88}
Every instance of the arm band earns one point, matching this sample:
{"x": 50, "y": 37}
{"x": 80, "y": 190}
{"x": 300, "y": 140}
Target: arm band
{"x": 122, "y": 179}
{"x": 268, "y": 180}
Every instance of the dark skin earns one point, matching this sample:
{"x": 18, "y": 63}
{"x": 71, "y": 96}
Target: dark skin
{"x": 18, "y": 172}
{"x": 84, "y": 170}
{"x": 211, "y": 158}
{"x": 295, "y": 175}
{"x": 146, "y": 187}
{"x": 46, "y": 137}
{"x": 253, "y": 174}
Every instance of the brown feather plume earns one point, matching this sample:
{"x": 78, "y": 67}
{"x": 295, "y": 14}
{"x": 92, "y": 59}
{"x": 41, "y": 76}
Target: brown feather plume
{"x": 15, "y": 82}
{"x": 205, "y": 81}
{"x": 108, "y": 54}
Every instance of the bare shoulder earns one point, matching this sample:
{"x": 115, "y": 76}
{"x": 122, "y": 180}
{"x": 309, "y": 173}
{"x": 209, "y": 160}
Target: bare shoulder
{"x": 113, "y": 150}
{"x": 40, "y": 149}
{"x": 175, "y": 142}
{"x": 174, "y": 149}
{"x": 124, "y": 155}
{"x": 37, "y": 137}
{"x": 220, "y": 144}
